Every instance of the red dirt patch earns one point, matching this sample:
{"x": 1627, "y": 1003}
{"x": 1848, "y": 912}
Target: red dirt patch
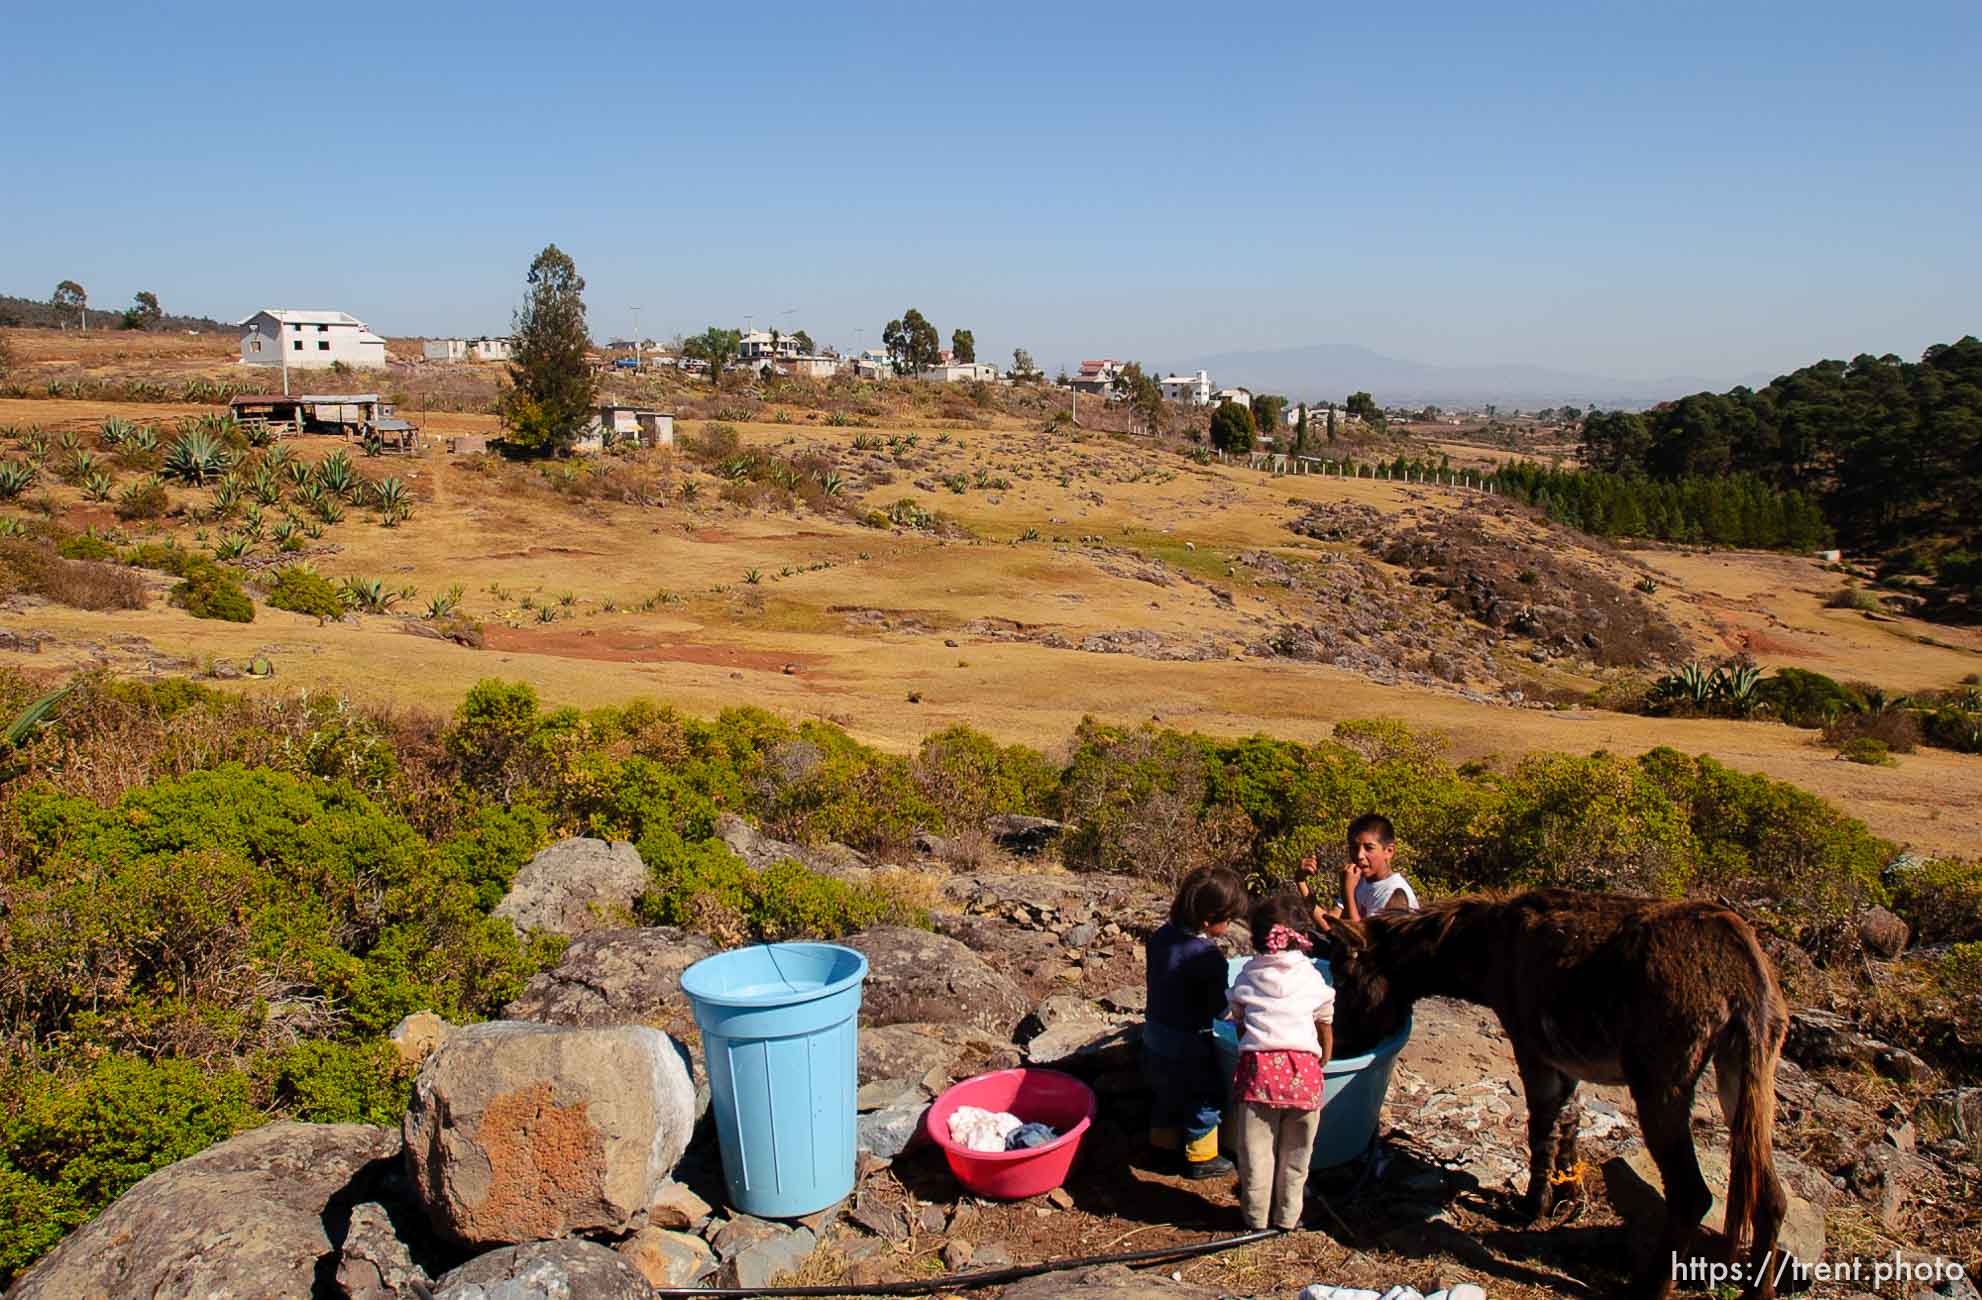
{"x": 637, "y": 647}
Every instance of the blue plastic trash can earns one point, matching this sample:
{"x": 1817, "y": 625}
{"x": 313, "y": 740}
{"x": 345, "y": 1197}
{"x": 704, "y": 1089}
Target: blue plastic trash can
{"x": 779, "y": 1029}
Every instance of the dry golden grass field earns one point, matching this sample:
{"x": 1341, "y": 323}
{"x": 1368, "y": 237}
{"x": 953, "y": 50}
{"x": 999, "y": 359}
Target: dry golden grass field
{"x": 1053, "y": 544}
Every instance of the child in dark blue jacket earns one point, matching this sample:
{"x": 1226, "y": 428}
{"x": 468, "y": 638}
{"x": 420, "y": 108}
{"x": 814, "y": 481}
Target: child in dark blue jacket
{"x": 1186, "y": 985}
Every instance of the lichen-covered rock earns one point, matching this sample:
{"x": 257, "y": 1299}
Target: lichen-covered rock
{"x": 546, "y": 1270}
{"x": 248, "y": 1218}
{"x": 914, "y": 975}
{"x": 520, "y": 1132}
{"x": 937, "y": 1054}
{"x": 373, "y": 1263}
{"x": 575, "y": 885}
{"x": 615, "y": 977}
{"x": 668, "y": 1258}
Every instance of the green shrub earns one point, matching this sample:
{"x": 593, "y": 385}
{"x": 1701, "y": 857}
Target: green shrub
{"x": 340, "y": 1083}
{"x": 305, "y": 591}
{"x": 74, "y": 1143}
{"x": 1805, "y": 699}
{"x": 494, "y": 841}
{"x": 1949, "y": 727}
{"x": 145, "y": 499}
{"x": 1866, "y": 750}
{"x": 703, "y": 886}
{"x": 967, "y": 776}
{"x": 1854, "y": 598}
{"x": 1596, "y": 822}
{"x": 1940, "y": 901}
{"x": 86, "y": 546}
{"x": 207, "y": 591}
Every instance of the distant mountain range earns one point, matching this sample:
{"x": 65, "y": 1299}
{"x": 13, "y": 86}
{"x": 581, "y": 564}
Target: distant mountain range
{"x": 1331, "y": 371}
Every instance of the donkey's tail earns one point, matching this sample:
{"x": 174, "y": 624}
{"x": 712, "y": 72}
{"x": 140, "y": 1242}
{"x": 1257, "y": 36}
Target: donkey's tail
{"x": 1746, "y": 1068}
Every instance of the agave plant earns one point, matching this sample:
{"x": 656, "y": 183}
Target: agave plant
{"x": 258, "y": 432}
{"x": 330, "y": 510}
{"x": 219, "y": 425}
{"x": 832, "y": 484}
{"x": 239, "y": 546}
{"x": 391, "y": 495}
{"x": 70, "y": 441}
{"x": 288, "y": 535}
{"x": 115, "y": 430}
{"x": 372, "y": 445}
{"x": 335, "y": 473}
{"x": 12, "y": 527}
{"x": 81, "y": 465}
{"x": 16, "y": 477}
{"x": 312, "y": 529}
{"x": 688, "y": 491}
{"x": 251, "y": 522}
{"x": 372, "y": 595}
{"x": 35, "y": 446}
{"x": 279, "y": 457}
{"x": 96, "y": 486}
{"x": 226, "y": 496}
{"x": 197, "y": 458}
{"x": 446, "y": 602}
{"x": 266, "y": 486}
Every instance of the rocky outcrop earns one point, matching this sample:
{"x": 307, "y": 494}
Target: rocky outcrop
{"x": 546, "y": 1270}
{"x": 520, "y": 1132}
{"x": 574, "y": 886}
{"x": 615, "y": 977}
{"x": 373, "y": 1263}
{"x": 938, "y": 1055}
{"x": 666, "y": 1257}
{"x": 914, "y": 975}
{"x": 1631, "y": 1180}
{"x": 257, "y": 1215}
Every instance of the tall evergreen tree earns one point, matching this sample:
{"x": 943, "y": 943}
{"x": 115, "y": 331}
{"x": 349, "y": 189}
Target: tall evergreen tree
{"x": 552, "y": 387}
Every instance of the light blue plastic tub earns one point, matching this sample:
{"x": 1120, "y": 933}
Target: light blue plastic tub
{"x": 1352, "y": 1096}
{"x": 779, "y": 1025}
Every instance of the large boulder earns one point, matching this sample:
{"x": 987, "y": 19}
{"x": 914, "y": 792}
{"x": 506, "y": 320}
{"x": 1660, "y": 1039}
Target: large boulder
{"x": 575, "y": 885}
{"x": 938, "y": 1055}
{"x": 520, "y": 1132}
{"x": 914, "y": 975}
{"x": 1018, "y": 833}
{"x": 546, "y": 1270}
{"x": 1631, "y": 1181}
{"x": 759, "y": 850}
{"x": 616, "y": 977}
{"x": 260, "y": 1214}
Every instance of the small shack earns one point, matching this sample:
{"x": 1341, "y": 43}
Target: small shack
{"x": 349, "y": 415}
{"x": 619, "y": 423}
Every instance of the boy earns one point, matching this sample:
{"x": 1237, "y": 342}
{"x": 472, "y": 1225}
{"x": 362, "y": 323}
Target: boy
{"x": 1185, "y": 979}
{"x": 1369, "y": 884}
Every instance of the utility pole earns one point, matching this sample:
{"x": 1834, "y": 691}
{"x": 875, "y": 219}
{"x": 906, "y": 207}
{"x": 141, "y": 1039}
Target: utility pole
{"x": 636, "y": 340}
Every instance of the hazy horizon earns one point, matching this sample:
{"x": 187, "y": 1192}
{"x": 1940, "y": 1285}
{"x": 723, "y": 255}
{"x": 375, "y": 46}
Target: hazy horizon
{"x": 1631, "y": 195}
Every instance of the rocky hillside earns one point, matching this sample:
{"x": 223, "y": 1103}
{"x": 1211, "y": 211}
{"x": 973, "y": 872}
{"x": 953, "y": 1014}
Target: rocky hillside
{"x": 567, "y": 1144}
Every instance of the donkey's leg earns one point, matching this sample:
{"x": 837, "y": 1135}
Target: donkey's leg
{"x": 1664, "y": 1113}
{"x": 1549, "y": 1092}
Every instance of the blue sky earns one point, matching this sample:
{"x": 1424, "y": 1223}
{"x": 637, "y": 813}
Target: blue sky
{"x": 1629, "y": 190}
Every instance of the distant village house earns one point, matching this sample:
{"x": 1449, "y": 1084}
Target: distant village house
{"x": 481, "y": 349}
{"x": 1097, "y": 377}
{"x": 617, "y": 422}
{"x": 308, "y": 340}
{"x": 1187, "y": 390}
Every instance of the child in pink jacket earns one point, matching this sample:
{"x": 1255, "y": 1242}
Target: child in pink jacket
{"x": 1284, "y": 1012}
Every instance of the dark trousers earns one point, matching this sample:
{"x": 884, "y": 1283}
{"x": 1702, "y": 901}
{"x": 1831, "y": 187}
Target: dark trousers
{"x": 1186, "y": 1086}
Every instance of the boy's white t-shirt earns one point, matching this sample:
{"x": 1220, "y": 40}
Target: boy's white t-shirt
{"x": 1372, "y": 896}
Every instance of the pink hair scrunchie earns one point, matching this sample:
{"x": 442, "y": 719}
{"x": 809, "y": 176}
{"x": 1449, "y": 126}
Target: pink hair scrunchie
{"x": 1280, "y": 939}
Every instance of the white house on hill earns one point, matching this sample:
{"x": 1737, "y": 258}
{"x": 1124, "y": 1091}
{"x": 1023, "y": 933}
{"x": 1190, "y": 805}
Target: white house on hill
{"x": 1187, "y": 390}
{"x": 308, "y": 340}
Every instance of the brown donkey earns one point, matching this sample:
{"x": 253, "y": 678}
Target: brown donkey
{"x": 1610, "y": 990}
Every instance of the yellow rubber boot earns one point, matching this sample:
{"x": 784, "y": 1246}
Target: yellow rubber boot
{"x": 1201, "y": 1158}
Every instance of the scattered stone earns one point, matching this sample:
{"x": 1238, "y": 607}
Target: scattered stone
{"x": 1898, "y": 1063}
{"x": 757, "y": 1264}
{"x": 957, "y": 1255}
{"x": 1109, "y": 1282}
{"x": 542, "y": 1270}
{"x": 1021, "y": 834}
{"x": 884, "y": 1221}
{"x": 1882, "y": 933}
{"x": 887, "y": 1133}
{"x": 373, "y": 1263}
{"x": 1061, "y": 1197}
{"x": 677, "y": 1207}
{"x": 668, "y": 1258}
{"x": 574, "y": 886}
{"x": 243, "y": 1218}
{"x": 615, "y": 977}
{"x": 1824, "y": 1039}
{"x": 933, "y": 1219}
{"x": 521, "y": 1132}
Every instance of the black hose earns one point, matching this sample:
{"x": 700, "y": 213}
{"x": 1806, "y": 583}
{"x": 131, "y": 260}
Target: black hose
{"x": 984, "y": 1277}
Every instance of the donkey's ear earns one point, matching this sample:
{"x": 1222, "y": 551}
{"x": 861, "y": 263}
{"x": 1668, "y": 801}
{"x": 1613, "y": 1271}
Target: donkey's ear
{"x": 1348, "y": 935}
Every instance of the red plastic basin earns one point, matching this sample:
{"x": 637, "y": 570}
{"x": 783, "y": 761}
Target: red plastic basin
{"x": 1059, "y": 1101}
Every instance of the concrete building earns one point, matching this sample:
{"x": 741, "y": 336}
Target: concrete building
{"x": 308, "y": 340}
{"x": 1241, "y": 396}
{"x": 812, "y": 366}
{"x": 872, "y": 363}
{"x": 956, "y": 372}
{"x": 758, "y": 345}
{"x": 492, "y": 349}
{"x": 445, "y": 349}
{"x": 616, "y": 422}
{"x": 1187, "y": 390}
